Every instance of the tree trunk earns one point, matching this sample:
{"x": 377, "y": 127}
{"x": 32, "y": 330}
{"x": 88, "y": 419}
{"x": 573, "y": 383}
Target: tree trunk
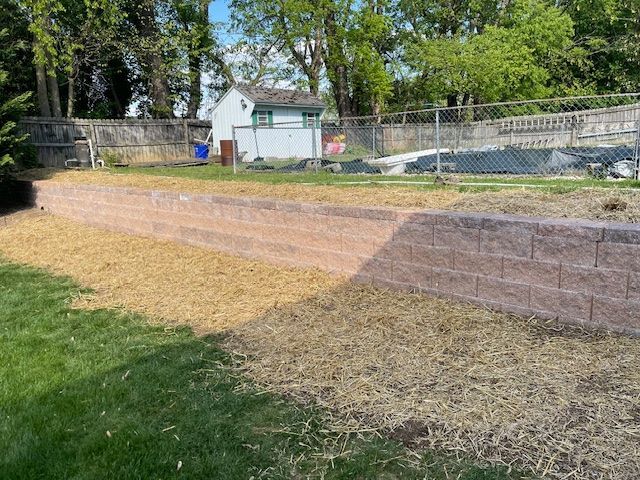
{"x": 335, "y": 64}
{"x": 71, "y": 92}
{"x": 71, "y": 96}
{"x": 201, "y": 28}
{"x": 54, "y": 90}
{"x": 116, "y": 99}
{"x": 195, "y": 89}
{"x": 316, "y": 63}
{"x": 313, "y": 50}
{"x": 41, "y": 69}
{"x": 311, "y": 70}
{"x": 341, "y": 91}
{"x": 314, "y": 82}
{"x": 43, "y": 96}
{"x": 375, "y": 107}
{"x": 159, "y": 91}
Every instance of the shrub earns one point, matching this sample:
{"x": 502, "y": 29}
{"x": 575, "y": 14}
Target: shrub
{"x": 13, "y": 149}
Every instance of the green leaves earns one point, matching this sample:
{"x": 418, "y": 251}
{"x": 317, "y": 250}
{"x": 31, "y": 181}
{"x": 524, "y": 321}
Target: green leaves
{"x": 515, "y": 57}
{"x": 367, "y": 56}
{"x": 11, "y": 109}
{"x": 609, "y": 33}
{"x": 366, "y": 42}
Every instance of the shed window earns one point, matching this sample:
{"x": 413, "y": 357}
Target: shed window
{"x": 262, "y": 118}
{"x": 309, "y": 119}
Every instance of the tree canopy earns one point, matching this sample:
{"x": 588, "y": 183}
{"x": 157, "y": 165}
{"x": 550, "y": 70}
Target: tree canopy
{"x": 163, "y": 58}
{"x": 12, "y": 106}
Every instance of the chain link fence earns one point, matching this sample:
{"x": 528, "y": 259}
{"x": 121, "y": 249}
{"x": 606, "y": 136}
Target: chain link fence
{"x": 575, "y": 136}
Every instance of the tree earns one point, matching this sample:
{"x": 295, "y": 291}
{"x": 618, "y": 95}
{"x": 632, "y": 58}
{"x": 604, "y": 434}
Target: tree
{"x": 609, "y": 33}
{"x": 88, "y": 41}
{"x": 368, "y": 43}
{"x": 100, "y": 58}
{"x": 16, "y": 58}
{"x": 11, "y": 109}
{"x": 192, "y": 50}
{"x": 193, "y": 18}
{"x": 70, "y": 36}
{"x": 518, "y": 56}
{"x": 355, "y": 56}
{"x": 249, "y": 62}
{"x": 148, "y": 45}
{"x": 346, "y": 40}
{"x": 289, "y": 29}
{"x": 45, "y": 53}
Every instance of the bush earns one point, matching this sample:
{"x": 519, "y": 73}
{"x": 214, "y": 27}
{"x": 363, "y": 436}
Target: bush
{"x": 14, "y": 152}
{"x": 12, "y": 148}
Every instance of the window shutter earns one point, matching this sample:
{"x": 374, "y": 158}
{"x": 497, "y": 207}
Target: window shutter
{"x": 304, "y": 120}
{"x": 318, "y": 120}
{"x": 254, "y": 118}
{"x": 270, "y": 117}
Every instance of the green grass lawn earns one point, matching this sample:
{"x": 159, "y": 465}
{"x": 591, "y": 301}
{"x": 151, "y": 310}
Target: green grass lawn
{"x": 102, "y": 394}
{"x": 220, "y": 173}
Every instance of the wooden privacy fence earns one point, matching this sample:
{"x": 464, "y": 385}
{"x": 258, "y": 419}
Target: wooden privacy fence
{"x": 125, "y": 141}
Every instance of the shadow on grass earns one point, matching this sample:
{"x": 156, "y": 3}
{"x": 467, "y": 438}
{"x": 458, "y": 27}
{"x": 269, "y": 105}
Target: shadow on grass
{"x": 101, "y": 394}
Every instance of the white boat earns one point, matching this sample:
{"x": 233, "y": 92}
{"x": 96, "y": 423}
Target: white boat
{"x": 396, "y": 164}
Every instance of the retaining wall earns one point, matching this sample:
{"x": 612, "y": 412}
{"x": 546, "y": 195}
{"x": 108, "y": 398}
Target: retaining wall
{"x": 575, "y": 270}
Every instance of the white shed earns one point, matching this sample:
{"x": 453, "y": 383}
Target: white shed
{"x": 285, "y": 121}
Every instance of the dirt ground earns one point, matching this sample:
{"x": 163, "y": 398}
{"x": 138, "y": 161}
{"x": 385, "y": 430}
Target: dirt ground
{"x": 597, "y": 204}
{"x": 557, "y": 401}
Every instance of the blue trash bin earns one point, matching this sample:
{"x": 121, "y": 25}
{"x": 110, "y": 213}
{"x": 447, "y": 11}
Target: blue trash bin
{"x": 201, "y": 150}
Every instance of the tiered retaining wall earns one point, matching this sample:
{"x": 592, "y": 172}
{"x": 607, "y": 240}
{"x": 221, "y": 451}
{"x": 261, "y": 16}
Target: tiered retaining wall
{"x": 575, "y": 270}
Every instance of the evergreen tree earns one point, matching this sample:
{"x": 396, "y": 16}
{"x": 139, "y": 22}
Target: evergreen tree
{"x": 11, "y": 109}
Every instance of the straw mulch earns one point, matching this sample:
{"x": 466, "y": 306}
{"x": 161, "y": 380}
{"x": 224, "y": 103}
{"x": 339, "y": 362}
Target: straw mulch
{"x": 177, "y": 283}
{"x": 349, "y": 195}
{"x": 594, "y": 204}
{"x": 560, "y": 402}
{"x": 602, "y": 204}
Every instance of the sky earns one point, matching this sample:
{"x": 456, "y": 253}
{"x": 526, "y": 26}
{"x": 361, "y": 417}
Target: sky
{"x": 219, "y": 11}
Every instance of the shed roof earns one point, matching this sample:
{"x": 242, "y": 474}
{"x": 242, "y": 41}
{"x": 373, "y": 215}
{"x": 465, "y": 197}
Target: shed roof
{"x": 280, "y": 96}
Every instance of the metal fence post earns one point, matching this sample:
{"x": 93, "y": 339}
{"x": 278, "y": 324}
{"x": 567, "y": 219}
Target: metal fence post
{"x": 437, "y": 141}
{"x": 574, "y": 131}
{"x": 373, "y": 141}
{"x": 314, "y": 146}
{"x": 233, "y": 148}
{"x": 636, "y": 153}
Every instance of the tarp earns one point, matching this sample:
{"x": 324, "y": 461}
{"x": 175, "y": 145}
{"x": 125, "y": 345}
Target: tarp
{"x": 512, "y": 161}
{"x": 521, "y": 161}
{"x": 353, "y": 166}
